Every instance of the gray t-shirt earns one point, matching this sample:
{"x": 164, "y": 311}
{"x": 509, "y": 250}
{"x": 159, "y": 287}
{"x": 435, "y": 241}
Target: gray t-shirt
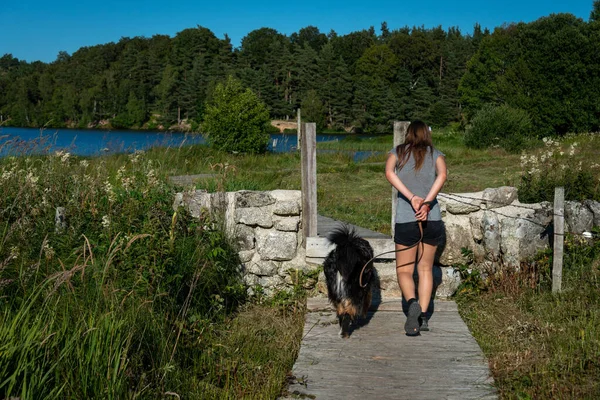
{"x": 419, "y": 182}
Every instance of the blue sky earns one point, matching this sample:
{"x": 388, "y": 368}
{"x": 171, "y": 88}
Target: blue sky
{"x": 38, "y": 30}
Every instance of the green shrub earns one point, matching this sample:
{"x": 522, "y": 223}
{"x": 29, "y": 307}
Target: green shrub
{"x": 503, "y": 126}
{"x": 236, "y": 119}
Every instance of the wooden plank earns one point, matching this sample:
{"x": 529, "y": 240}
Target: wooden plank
{"x": 559, "y": 237}
{"x": 378, "y": 361}
{"x": 326, "y": 225}
{"x": 391, "y": 304}
{"x": 319, "y": 247}
{"x": 400, "y": 128}
{"x": 309, "y": 179}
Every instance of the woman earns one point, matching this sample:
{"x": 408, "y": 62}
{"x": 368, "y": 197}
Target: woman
{"x": 418, "y": 171}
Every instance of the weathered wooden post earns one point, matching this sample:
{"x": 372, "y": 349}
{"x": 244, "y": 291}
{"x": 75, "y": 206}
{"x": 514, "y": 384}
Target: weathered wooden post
{"x": 299, "y": 130}
{"x": 400, "y": 128}
{"x": 559, "y": 238}
{"x": 308, "y": 158}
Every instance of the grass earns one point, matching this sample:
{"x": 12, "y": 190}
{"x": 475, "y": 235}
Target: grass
{"x": 541, "y": 345}
{"x": 131, "y": 299}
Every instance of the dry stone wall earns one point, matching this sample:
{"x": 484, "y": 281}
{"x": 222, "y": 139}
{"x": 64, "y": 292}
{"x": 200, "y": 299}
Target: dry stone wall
{"x": 502, "y": 232}
{"x": 265, "y": 226}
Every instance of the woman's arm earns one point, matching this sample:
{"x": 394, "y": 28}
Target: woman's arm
{"x": 441, "y": 173}
{"x": 390, "y": 174}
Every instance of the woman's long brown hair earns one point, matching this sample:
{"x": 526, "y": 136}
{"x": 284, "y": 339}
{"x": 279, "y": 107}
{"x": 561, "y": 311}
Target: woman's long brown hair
{"x": 418, "y": 140}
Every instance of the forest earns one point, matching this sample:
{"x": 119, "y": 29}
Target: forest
{"x": 361, "y": 81}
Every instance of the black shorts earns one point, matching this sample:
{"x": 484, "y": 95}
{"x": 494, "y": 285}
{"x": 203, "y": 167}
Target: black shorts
{"x": 408, "y": 233}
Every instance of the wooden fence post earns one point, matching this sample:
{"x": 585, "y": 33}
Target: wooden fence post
{"x": 299, "y": 130}
{"x": 559, "y": 238}
{"x": 308, "y": 158}
{"x": 400, "y": 128}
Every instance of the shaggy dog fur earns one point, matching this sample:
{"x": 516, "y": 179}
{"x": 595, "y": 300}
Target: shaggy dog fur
{"x": 342, "y": 269}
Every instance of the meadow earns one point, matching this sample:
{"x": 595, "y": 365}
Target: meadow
{"x": 131, "y": 299}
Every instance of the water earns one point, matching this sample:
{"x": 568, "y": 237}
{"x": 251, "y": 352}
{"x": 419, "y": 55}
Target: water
{"x": 96, "y": 142}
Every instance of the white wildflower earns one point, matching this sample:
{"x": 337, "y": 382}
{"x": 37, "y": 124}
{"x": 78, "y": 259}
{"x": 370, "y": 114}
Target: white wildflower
{"x": 523, "y": 159}
{"x": 65, "y": 157}
{"x": 108, "y": 188}
{"x": 121, "y": 172}
{"x": 30, "y": 178}
{"x": 48, "y": 251}
{"x": 105, "y": 221}
{"x": 126, "y": 182}
{"x": 14, "y": 253}
{"x": 6, "y": 175}
{"x": 135, "y": 157}
{"x": 84, "y": 163}
{"x": 152, "y": 181}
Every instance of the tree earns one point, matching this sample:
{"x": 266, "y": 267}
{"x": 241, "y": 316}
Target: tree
{"x": 595, "y": 14}
{"x": 312, "y": 109}
{"x": 236, "y": 120}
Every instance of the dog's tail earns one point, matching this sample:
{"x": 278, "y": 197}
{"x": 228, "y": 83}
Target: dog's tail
{"x": 352, "y": 251}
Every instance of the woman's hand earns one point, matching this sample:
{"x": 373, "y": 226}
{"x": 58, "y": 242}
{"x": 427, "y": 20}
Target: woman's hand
{"x": 422, "y": 212}
{"x": 416, "y": 202}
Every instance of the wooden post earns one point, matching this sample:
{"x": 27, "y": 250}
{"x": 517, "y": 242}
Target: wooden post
{"x": 400, "y": 128}
{"x": 559, "y": 238}
{"x": 308, "y": 158}
{"x": 299, "y": 129}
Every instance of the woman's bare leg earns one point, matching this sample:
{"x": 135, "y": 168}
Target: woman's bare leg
{"x": 425, "y": 268}
{"x": 405, "y": 266}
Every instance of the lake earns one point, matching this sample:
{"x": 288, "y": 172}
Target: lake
{"x": 96, "y": 142}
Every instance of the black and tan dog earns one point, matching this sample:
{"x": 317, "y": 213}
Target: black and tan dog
{"x": 342, "y": 269}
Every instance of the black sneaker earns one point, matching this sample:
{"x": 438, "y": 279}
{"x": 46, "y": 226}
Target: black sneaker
{"x": 423, "y": 323}
{"x": 411, "y": 327}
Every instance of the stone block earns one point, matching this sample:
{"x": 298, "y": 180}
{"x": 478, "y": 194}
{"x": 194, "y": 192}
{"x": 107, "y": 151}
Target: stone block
{"x": 458, "y": 236}
{"x": 463, "y": 203}
{"x": 245, "y": 255}
{"x": 499, "y": 197}
{"x": 578, "y": 217}
{"x": 288, "y": 207}
{"x": 286, "y": 224}
{"x": 276, "y": 245}
{"x": 251, "y": 199}
{"x": 261, "y": 267}
{"x": 594, "y": 207}
{"x": 255, "y": 216}
{"x": 244, "y": 237}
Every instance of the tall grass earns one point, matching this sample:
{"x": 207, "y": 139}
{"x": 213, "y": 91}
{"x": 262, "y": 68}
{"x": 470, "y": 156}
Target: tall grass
{"x": 542, "y": 345}
{"x": 131, "y": 299}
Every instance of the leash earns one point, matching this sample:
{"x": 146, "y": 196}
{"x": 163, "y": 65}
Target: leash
{"x": 360, "y": 279}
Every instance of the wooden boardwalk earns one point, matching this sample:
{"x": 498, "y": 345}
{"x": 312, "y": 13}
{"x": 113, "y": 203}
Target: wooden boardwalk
{"x": 379, "y": 361}
{"x": 326, "y": 224}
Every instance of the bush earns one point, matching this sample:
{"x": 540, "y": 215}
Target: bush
{"x": 236, "y": 119}
{"x": 503, "y": 126}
